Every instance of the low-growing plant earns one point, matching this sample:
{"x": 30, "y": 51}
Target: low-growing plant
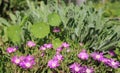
{"x": 56, "y": 38}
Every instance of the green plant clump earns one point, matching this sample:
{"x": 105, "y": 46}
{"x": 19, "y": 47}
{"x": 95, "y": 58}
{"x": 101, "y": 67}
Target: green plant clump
{"x": 59, "y": 38}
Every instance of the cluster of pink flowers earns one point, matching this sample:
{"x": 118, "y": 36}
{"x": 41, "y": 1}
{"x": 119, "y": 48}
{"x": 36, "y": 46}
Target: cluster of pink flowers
{"x": 46, "y": 46}
{"x": 28, "y": 61}
{"x": 11, "y": 49}
{"x": 99, "y": 57}
{"x": 77, "y": 68}
{"x": 23, "y": 61}
{"x": 55, "y": 62}
{"x": 64, "y": 45}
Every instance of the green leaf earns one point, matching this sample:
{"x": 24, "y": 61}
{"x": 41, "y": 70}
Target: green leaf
{"x": 40, "y": 30}
{"x": 14, "y": 33}
{"x": 13, "y": 17}
{"x": 56, "y": 43}
{"x": 54, "y": 19}
{"x": 4, "y": 21}
{"x": 117, "y": 70}
{"x": 49, "y": 71}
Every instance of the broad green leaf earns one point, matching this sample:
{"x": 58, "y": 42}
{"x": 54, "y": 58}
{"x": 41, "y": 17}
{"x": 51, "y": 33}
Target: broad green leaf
{"x": 40, "y": 30}
{"x": 14, "y": 33}
{"x": 54, "y": 19}
{"x": 56, "y": 43}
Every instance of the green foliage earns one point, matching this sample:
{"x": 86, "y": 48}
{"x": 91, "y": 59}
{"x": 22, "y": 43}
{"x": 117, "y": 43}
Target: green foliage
{"x": 56, "y": 43}
{"x": 3, "y": 22}
{"x": 40, "y": 30}
{"x": 14, "y": 33}
{"x": 83, "y": 24}
{"x": 54, "y": 19}
{"x": 87, "y": 25}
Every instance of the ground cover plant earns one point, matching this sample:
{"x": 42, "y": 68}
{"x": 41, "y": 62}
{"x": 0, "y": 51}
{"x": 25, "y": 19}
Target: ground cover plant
{"x": 59, "y": 38}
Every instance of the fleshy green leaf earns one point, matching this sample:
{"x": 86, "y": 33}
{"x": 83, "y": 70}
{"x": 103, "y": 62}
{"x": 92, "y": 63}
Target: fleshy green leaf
{"x": 40, "y": 30}
{"x": 54, "y": 19}
{"x": 14, "y": 33}
{"x": 56, "y": 43}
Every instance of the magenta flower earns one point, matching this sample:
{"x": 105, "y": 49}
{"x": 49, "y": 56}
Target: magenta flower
{"x": 29, "y": 58}
{"x": 31, "y": 44}
{"x": 97, "y": 56}
{"x": 65, "y": 45}
{"x": 15, "y": 60}
{"x": 89, "y": 70}
{"x": 111, "y": 52}
{"x": 48, "y": 45}
{"x": 83, "y": 55}
{"x": 112, "y": 63}
{"x": 27, "y": 61}
{"x": 105, "y": 60}
{"x": 42, "y": 48}
{"x": 58, "y": 57}
{"x": 76, "y": 68}
{"x": 11, "y": 49}
{"x": 56, "y": 29}
{"x": 59, "y": 49}
{"x": 24, "y": 61}
{"x": 27, "y": 64}
{"x": 53, "y": 63}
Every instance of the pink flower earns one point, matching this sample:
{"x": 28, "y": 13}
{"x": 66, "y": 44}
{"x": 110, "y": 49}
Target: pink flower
{"x": 111, "y": 52}
{"x": 58, "y": 57}
{"x": 59, "y": 49}
{"x": 65, "y": 45}
{"x": 112, "y": 63}
{"x": 42, "y": 48}
{"x": 48, "y": 45}
{"x": 83, "y": 55}
{"x": 27, "y": 64}
{"x": 11, "y": 49}
{"x": 89, "y": 70}
{"x": 31, "y": 44}
{"x": 24, "y": 61}
{"x": 53, "y": 63}
{"x": 56, "y": 29}
{"x": 97, "y": 56}
{"x": 16, "y": 60}
{"x": 105, "y": 60}
{"x": 76, "y": 68}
